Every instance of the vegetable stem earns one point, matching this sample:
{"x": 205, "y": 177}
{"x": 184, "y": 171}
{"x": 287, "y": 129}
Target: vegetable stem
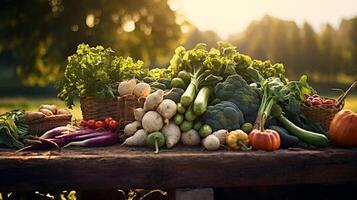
{"x": 156, "y": 146}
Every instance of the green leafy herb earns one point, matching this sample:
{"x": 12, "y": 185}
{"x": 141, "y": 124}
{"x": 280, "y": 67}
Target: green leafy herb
{"x": 92, "y": 71}
{"x": 13, "y": 129}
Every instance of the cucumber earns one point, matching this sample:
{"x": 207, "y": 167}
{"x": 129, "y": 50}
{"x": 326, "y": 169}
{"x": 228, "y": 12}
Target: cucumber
{"x": 178, "y": 83}
{"x": 185, "y": 76}
{"x": 186, "y": 126}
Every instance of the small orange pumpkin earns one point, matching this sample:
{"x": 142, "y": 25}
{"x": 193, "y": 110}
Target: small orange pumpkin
{"x": 343, "y": 129}
{"x": 264, "y": 140}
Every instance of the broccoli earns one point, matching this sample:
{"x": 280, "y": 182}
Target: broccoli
{"x": 224, "y": 115}
{"x": 174, "y": 94}
{"x": 236, "y": 90}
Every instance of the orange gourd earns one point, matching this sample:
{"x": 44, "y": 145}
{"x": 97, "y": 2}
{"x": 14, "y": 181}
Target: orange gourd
{"x": 264, "y": 140}
{"x": 343, "y": 129}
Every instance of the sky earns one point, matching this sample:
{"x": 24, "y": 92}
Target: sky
{"x": 231, "y": 16}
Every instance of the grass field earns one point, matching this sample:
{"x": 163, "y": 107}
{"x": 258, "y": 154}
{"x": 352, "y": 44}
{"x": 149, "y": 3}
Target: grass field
{"x": 32, "y": 104}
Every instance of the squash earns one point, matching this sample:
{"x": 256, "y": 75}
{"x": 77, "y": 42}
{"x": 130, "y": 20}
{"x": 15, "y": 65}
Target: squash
{"x": 264, "y": 140}
{"x": 343, "y": 129}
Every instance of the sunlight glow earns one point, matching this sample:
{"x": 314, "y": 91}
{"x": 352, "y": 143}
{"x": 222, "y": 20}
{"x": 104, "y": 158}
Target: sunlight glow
{"x": 232, "y": 16}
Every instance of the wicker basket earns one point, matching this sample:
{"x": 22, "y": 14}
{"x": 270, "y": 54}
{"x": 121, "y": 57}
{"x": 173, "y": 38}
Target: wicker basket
{"x": 120, "y": 108}
{"x": 322, "y": 114}
{"x": 40, "y": 126}
{"x": 99, "y": 109}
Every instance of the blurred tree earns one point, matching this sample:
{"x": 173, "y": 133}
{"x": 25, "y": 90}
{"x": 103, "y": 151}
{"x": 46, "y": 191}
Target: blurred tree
{"x": 38, "y": 35}
{"x": 195, "y": 36}
{"x": 310, "y": 57}
{"x": 328, "y": 51}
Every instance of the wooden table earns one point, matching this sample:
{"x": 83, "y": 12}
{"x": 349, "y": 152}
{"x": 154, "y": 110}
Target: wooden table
{"x": 181, "y": 167}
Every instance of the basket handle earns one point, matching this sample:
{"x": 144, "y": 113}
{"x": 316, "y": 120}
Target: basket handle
{"x": 345, "y": 94}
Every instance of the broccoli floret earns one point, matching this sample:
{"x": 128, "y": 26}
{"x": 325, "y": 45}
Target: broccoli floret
{"x": 236, "y": 90}
{"x": 224, "y": 115}
{"x": 174, "y": 94}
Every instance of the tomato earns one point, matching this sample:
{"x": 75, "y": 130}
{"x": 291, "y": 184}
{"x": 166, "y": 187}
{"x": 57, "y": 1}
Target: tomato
{"x": 107, "y": 120}
{"x": 316, "y": 101}
{"x": 91, "y": 124}
{"x": 113, "y": 125}
{"x": 99, "y": 124}
{"x": 328, "y": 102}
{"x": 84, "y": 123}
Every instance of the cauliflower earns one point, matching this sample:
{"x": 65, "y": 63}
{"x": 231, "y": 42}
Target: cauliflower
{"x": 224, "y": 115}
{"x": 236, "y": 90}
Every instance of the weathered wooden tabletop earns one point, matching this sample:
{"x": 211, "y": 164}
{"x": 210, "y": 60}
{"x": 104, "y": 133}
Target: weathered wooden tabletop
{"x": 181, "y": 167}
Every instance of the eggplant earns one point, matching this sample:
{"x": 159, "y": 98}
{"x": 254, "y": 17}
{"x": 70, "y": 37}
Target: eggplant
{"x": 286, "y": 140}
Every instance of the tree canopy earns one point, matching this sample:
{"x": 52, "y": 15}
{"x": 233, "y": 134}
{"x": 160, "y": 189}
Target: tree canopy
{"x": 38, "y": 35}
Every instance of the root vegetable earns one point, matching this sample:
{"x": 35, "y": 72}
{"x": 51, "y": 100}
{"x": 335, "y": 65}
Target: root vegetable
{"x": 62, "y": 111}
{"x": 152, "y": 121}
{"x": 167, "y": 108}
{"x": 131, "y": 128}
{"x": 172, "y": 134}
{"x": 211, "y": 142}
{"x": 139, "y": 113}
{"x": 126, "y": 87}
{"x": 31, "y": 116}
{"x": 138, "y": 139}
{"x": 153, "y": 100}
{"x": 190, "y": 138}
{"x": 142, "y": 90}
{"x": 46, "y": 111}
{"x": 221, "y": 135}
{"x": 52, "y": 108}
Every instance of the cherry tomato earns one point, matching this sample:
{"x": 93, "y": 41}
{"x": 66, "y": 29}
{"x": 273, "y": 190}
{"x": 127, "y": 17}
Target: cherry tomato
{"x": 99, "y": 124}
{"x": 328, "y": 102}
{"x": 113, "y": 125}
{"x": 107, "y": 120}
{"x": 316, "y": 96}
{"x": 316, "y": 102}
{"x": 91, "y": 124}
{"x": 84, "y": 123}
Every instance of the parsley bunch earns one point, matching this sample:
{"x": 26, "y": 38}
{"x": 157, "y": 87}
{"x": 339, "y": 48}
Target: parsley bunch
{"x": 93, "y": 71}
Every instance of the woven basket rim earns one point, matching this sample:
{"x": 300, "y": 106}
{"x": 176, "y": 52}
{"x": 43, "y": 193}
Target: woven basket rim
{"x": 52, "y": 118}
{"x": 322, "y": 108}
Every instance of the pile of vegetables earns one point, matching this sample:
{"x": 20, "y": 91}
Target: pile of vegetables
{"x": 65, "y": 136}
{"x": 214, "y": 97}
{"x": 43, "y": 111}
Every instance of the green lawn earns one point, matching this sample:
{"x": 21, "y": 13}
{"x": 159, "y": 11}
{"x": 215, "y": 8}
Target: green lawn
{"x": 32, "y": 104}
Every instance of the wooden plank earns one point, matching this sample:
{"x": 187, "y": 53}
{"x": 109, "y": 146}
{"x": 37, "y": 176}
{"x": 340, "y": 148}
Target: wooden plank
{"x": 181, "y": 167}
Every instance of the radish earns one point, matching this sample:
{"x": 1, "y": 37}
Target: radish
{"x": 152, "y": 121}
{"x": 138, "y": 139}
{"x": 221, "y": 135}
{"x": 56, "y": 131}
{"x": 172, "y": 134}
{"x": 139, "y": 113}
{"x": 131, "y": 128}
{"x": 142, "y": 90}
{"x": 126, "y": 87}
{"x": 190, "y": 138}
{"x": 153, "y": 100}
{"x": 167, "y": 109}
{"x": 211, "y": 142}
{"x": 104, "y": 140}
